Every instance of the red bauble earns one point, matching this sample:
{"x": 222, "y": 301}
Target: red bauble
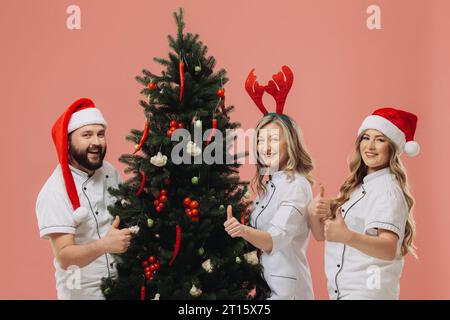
{"x": 167, "y": 181}
{"x": 159, "y": 209}
{"x": 186, "y": 201}
{"x": 173, "y": 123}
{"x": 194, "y": 212}
{"x": 163, "y": 198}
{"x": 163, "y": 192}
{"x": 152, "y": 259}
{"x": 157, "y": 266}
{"x": 169, "y": 133}
{"x": 152, "y": 268}
{"x": 148, "y": 269}
{"x": 156, "y": 202}
{"x": 148, "y": 275}
{"x": 187, "y": 211}
{"x": 151, "y": 85}
{"x": 180, "y": 125}
{"x": 144, "y": 264}
{"x": 194, "y": 204}
{"x": 221, "y": 92}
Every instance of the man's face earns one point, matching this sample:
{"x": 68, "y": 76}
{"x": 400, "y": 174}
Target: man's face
{"x": 87, "y": 147}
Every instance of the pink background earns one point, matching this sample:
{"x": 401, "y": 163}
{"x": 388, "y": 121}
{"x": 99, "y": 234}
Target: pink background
{"x": 342, "y": 72}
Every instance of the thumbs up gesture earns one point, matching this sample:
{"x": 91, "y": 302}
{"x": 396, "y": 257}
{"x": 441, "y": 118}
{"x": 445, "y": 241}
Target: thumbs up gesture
{"x": 335, "y": 230}
{"x": 116, "y": 240}
{"x": 232, "y": 225}
{"x": 320, "y": 207}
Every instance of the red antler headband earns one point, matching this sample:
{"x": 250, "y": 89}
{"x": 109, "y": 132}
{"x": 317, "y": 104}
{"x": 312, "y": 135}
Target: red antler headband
{"x": 278, "y": 88}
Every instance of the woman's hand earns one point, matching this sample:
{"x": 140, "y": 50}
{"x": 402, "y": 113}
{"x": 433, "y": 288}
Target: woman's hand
{"x": 320, "y": 207}
{"x": 335, "y": 230}
{"x": 232, "y": 225}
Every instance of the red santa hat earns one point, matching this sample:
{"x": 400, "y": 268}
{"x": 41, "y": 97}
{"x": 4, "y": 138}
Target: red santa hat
{"x": 81, "y": 113}
{"x": 397, "y": 125}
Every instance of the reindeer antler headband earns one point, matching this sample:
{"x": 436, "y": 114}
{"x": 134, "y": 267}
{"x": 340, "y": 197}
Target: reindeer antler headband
{"x": 278, "y": 88}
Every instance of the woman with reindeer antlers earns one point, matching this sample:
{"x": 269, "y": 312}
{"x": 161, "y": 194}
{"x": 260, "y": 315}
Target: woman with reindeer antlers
{"x": 279, "y": 223}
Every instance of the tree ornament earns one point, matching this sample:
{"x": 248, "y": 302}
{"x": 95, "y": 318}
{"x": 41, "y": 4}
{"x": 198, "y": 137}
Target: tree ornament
{"x": 207, "y": 266}
{"x": 177, "y": 244}
{"x": 142, "y": 292}
{"x": 221, "y": 93}
{"x": 195, "y": 292}
{"x": 192, "y": 149}
{"x": 134, "y": 230}
{"x": 151, "y": 85}
{"x": 181, "y": 67}
{"x": 213, "y": 131}
{"x": 194, "y": 180}
{"x": 143, "y": 181}
{"x": 143, "y": 138}
{"x": 159, "y": 160}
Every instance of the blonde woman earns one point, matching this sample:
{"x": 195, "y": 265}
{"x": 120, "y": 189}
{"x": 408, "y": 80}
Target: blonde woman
{"x": 278, "y": 223}
{"x": 372, "y": 228}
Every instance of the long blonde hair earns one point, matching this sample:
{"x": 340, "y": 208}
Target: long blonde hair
{"x": 298, "y": 159}
{"x": 358, "y": 170}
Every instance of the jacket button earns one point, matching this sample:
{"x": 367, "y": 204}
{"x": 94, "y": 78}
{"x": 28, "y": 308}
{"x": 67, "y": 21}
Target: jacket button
{"x": 96, "y": 212}
{"x": 342, "y": 210}
{"x": 338, "y": 265}
{"x": 335, "y": 291}
{"x": 84, "y": 188}
{"x": 107, "y": 176}
{"x": 262, "y": 207}
{"x": 257, "y": 202}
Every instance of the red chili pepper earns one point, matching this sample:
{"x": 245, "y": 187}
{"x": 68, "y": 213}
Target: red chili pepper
{"x": 222, "y": 106}
{"x": 181, "y": 79}
{"x": 143, "y": 293}
{"x": 213, "y": 131}
{"x": 143, "y": 180}
{"x": 143, "y": 138}
{"x": 177, "y": 245}
{"x": 243, "y": 215}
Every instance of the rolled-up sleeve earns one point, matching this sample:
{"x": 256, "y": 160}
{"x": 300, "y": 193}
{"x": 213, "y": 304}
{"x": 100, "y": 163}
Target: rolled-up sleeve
{"x": 54, "y": 214}
{"x": 290, "y": 215}
{"x": 388, "y": 212}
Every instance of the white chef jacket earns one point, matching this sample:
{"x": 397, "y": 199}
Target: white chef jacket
{"x": 55, "y": 215}
{"x": 377, "y": 203}
{"x": 283, "y": 213}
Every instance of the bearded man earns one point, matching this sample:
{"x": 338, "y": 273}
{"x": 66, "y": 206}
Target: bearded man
{"x": 71, "y": 207}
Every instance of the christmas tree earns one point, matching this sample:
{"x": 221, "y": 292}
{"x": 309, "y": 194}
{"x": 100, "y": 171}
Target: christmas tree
{"x": 179, "y": 248}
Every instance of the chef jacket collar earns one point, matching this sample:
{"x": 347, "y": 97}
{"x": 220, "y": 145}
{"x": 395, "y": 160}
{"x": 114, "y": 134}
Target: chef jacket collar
{"x": 81, "y": 172}
{"x": 376, "y": 174}
{"x": 277, "y": 175}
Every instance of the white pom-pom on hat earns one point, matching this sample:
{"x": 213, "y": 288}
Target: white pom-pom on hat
{"x": 412, "y": 148}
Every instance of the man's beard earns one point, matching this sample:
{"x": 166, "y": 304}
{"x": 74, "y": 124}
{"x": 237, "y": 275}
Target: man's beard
{"x": 81, "y": 156}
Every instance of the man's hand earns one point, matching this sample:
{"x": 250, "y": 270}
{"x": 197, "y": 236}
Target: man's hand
{"x": 116, "y": 240}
